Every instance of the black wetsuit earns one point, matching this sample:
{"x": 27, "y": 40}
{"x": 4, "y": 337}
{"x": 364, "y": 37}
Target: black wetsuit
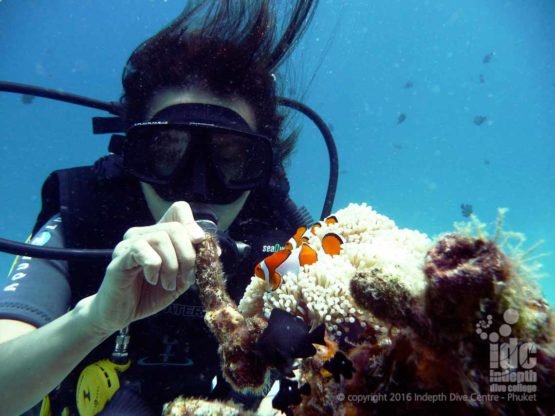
{"x": 172, "y": 352}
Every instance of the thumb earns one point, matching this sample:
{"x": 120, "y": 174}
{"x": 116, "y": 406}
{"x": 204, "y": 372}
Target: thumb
{"x": 181, "y": 212}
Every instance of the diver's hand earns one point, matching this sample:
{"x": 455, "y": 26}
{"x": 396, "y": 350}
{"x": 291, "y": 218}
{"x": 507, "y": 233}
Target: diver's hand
{"x": 150, "y": 268}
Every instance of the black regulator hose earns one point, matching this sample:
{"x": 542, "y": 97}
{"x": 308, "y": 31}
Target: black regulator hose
{"x": 29, "y": 250}
{"x": 332, "y": 150}
{"x": 113, "y": 107}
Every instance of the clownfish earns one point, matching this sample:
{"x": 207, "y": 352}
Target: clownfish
{"x": 302, "y": 234}
{"x": 331, "y": 243}
{"x": 297, "y": 253}
{"x": 298, "y": 238}
{"x": 332, "y": 219}
{"x": 272, "y": 268}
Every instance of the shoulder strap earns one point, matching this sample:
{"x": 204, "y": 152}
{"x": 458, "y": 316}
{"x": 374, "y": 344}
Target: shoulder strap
{"x": 94, "y": 202}
{"x": 97, "y": 206}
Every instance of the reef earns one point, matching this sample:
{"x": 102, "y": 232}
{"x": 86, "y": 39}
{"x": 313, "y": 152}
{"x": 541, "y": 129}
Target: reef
{"x": 182, "y": 406}
{"x": 413, "y": 325}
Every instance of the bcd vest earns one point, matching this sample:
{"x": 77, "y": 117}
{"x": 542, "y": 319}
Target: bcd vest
{"x": 98, "y": 204}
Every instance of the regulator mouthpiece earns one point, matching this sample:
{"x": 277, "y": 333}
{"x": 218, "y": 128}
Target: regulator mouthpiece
{"x": 207, "y": 220}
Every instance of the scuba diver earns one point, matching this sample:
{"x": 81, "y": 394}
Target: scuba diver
{"x": 203, "y": 151}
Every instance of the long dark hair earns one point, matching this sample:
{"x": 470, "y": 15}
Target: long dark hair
{"x": 229, "y": 47}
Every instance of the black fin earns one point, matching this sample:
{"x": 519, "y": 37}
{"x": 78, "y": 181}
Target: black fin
{"x": 305, "y": 350}
{"x": 316, "y": 336}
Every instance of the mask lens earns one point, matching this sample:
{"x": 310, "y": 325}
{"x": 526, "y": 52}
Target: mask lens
{"x": 163, "y": 153}
{"x": 241, "y": 161}
{"x": 168, "y": 148}
{"x": 155, "y": 152}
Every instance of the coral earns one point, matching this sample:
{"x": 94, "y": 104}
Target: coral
{"x": 452, "y": 326}
{"x": 384, "y": 295}
{"x": 463, "y": 274}
{"x": 200, "y": 407}
{"x": 236, "y": 334}
{"x": 372, "y": 245}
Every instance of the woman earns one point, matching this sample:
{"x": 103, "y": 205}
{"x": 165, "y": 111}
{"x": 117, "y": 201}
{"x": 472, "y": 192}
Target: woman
{"x": 203, "y": 140}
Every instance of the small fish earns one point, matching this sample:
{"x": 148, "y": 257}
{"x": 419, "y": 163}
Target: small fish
{"x": 273, "y": 267}
{"x": 298, "y": 238}
{"x": 408, "y": 85}
{"x": 307, "y": 255}
{"x": 401, "y": 118}
{"x": 487, "y": 162}
{"x": 297, "y": 253}
{"x": 289, "y": 394}
{"x": 339, "y": 365}
{"x": 466, "y": 210}
{"x": 488, "y": 57}
{"x": 331, "y": 243}
{"x": 332, "y": 219}
{"x": 286, "y": 338}
{"x": 479, "y": 120}
{"x": 303, "y": 233}
{"x": 27, "y": 98}
{"x": 482, "y": 79}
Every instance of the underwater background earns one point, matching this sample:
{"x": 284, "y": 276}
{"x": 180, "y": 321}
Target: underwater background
{"x": 433, "y": 104}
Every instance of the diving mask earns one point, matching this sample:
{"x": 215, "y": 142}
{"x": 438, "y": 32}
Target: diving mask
{"x": 198, "y": 153}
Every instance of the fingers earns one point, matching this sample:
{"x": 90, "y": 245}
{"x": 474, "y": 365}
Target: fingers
{"x": 165, "y": 250}
{"x": 136, "y": 255}
{"x": 157, "y": 256}
{"x": 174, "y": 233}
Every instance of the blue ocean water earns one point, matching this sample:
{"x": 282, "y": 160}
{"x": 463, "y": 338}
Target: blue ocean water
{"x": 361, "y": 65}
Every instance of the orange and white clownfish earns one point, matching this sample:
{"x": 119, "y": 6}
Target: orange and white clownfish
{"x": 332, "y": 219}
{"x": 331, "y": 243}
{"x": 273, "y": 267}
{"x": 303, "y": 233}
{"x": 298, "y": 238}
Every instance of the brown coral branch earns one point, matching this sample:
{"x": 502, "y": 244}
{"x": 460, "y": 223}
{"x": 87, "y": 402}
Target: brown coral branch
{"x": 235, "y": 333}
{"x": 210, "y": 275}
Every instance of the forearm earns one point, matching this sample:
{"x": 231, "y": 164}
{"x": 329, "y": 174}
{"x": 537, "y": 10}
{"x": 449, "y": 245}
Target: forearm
{"x": 35, "y": 363}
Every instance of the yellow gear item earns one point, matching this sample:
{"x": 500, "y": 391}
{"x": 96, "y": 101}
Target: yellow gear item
{"x": 45, "y": 407}
{"x": 97, "y": 385}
